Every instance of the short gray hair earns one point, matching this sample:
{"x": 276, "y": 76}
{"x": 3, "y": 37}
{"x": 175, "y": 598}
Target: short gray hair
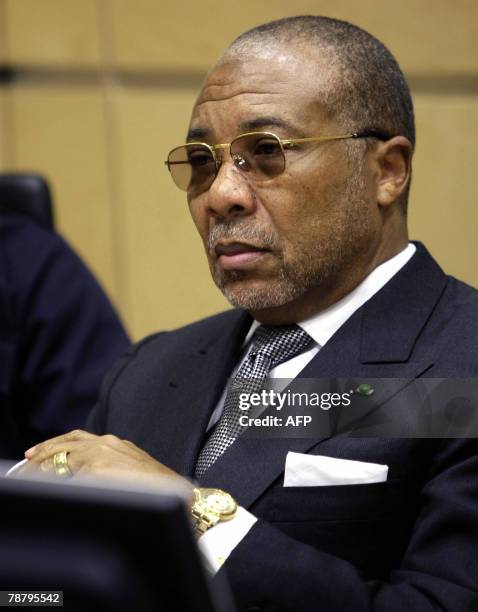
{"x": 372, "y": 91}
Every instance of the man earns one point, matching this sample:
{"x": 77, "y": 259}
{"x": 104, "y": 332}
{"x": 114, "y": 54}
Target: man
{"x": 59, "y": 335}
{"x": 304, "y": 222}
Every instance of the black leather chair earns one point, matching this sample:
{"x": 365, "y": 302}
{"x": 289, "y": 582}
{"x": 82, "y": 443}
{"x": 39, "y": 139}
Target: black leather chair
{"x": 27, "y": 194}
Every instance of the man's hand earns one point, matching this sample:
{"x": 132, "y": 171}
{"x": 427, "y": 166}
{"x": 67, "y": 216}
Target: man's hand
{"x": 103, "y": 456}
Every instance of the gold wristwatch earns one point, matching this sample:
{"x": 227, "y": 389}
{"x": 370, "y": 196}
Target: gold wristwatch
{"x": 210, "y": 507}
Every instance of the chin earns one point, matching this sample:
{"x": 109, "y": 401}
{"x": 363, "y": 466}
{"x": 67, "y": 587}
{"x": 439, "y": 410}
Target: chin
{"x": 255, "y": 296}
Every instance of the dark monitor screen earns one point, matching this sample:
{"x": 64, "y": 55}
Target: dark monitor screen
{"x": 108, "y": 549}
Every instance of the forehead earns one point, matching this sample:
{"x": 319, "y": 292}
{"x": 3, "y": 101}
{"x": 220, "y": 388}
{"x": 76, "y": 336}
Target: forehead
{"x": 283, "y": 93}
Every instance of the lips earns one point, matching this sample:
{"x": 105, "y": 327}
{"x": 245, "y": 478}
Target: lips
{"x": 234, "y": 248}
{"x": 235, "y": 255}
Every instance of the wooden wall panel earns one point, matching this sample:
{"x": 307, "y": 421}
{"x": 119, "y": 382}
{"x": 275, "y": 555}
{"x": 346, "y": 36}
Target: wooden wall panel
{"x": 444, "y": 199}
{"x": 3, "y": 33}
{"x": 53, "y": 32}
{"x": 163, "y": 260}
{"x": 61, "y": 132}
{"x": 432, "y": 37}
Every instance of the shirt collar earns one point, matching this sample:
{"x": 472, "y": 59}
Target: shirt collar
{"x": 322, "y": 326}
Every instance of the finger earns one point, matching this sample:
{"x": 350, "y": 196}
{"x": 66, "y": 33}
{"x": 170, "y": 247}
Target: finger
{"x": 83, "y": 452}
{"x": 48, "y": 464}
{"x": 47, "y": 452}
{"x": 78, "y": 455}
{"x": 76, "y": 434}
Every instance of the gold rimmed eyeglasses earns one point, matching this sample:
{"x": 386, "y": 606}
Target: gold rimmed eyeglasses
{"x": 194, "y": 165}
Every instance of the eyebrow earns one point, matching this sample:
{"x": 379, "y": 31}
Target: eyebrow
{"x": 200, "y": 134}
{"x": 264, "y": 122}
{"x": 197, "y": 134}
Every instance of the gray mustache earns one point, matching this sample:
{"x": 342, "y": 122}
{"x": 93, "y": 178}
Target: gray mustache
{"x": 240, "y": 232}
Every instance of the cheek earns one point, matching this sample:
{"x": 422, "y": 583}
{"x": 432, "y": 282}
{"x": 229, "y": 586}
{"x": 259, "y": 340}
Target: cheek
{"x": 313, "y": 216}
{"x": 304, "y": 208}
{"x": 199, "y": 217}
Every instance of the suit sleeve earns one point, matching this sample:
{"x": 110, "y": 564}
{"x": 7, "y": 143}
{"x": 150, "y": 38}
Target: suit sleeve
{"x": 269, "y": 570}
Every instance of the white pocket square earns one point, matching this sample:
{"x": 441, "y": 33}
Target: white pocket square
{"x": 320, "y": 471}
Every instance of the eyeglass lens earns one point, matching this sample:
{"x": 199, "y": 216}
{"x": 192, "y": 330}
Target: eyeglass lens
{"x": 193, "y": 166}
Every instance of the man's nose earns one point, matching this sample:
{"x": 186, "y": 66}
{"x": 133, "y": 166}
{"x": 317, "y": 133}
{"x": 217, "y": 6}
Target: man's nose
{"x": 231, "y": 193}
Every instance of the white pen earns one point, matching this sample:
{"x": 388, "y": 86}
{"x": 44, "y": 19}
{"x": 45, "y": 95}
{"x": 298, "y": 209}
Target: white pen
{"x": 15, "y": 467}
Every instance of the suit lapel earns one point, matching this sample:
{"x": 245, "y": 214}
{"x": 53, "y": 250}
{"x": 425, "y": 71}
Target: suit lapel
{"x": 378, "y": 341}
{"x": 192, "y": 392}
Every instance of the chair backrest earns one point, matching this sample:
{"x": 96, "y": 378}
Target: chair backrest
{"x": 27, "y": 194}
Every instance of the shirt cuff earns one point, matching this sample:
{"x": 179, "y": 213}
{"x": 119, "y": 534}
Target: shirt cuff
{"x": 218, "y": 542}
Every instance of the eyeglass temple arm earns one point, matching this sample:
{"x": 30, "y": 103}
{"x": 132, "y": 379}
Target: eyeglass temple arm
{"x": 363, "y": 134}
{"x": 379, "y": 134}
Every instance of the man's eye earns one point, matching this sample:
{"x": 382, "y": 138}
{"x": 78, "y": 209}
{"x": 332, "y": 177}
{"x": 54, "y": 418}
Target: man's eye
{"x": 267, "y": 148}
{"x": 200, "y": 158}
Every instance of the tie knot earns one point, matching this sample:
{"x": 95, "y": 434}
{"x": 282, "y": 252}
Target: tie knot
{"x": 279, "y": 344}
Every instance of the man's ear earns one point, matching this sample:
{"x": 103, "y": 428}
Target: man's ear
{"x": 393, "y": 159}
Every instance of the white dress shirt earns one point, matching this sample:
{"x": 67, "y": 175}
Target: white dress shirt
{"x": 219, "y": 541}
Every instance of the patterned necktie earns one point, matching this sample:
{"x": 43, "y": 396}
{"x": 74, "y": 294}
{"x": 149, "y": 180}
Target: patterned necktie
{"x": 271, "y": 346}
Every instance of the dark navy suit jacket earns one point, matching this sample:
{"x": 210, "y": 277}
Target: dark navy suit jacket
{"x": 406, "y": 545}
{"x": 58, "y": 336}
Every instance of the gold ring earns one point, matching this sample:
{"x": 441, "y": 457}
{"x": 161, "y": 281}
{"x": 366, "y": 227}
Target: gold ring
{"x": 60, "y": 463}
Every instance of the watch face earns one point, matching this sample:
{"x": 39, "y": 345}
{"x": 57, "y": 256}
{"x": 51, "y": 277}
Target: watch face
{"x": 217, "y": 501}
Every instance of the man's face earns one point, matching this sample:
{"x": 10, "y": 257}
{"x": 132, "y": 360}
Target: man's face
{"x": 284, "y": 242}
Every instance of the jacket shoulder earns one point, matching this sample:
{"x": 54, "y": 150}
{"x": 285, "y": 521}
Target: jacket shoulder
{"x": 454, "y": 324}
{"x": 168, "y": 345}
{"x": 201, "y": 332}
{"x": 150, "y": 362}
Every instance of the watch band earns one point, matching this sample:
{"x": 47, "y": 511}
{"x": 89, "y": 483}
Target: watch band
{"x": 202, "y": 522}
{"x": 210, "y": 507}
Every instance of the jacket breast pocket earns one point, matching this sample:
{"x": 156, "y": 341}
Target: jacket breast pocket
{"x": 365, "y": 524}
{"x": 357, "y": 502}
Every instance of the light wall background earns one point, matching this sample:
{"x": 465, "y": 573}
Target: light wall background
{"x": 102, "y": 89}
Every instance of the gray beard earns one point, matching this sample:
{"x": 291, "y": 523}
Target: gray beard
{"x": 289, "y": 283}
{"x": 277, "y": 293}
